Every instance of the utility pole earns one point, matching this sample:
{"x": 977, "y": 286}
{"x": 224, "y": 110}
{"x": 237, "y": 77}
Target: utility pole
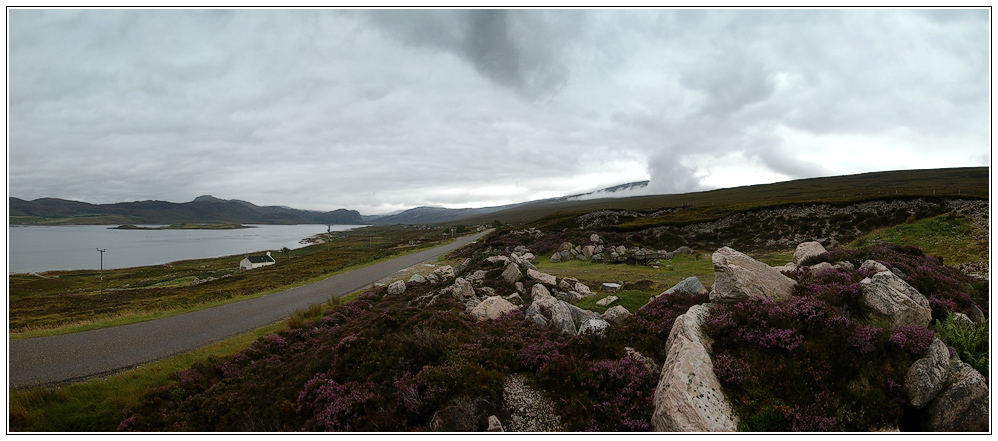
{"x": 102, "y": 271}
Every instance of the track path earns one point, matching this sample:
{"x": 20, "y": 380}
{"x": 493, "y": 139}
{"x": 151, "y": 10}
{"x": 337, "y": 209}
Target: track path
{"x": 80, "y": 355}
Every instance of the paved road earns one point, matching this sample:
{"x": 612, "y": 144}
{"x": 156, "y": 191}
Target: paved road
{"x": 70, "y": 357}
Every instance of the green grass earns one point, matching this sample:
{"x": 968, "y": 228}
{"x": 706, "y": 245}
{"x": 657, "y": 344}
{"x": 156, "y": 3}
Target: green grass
{"x": 629, "y": 299}
{"x": 97, "y": 405}
{"x": 949, "y": 236}
{"x": 667, "y": 275}
{"x": 65, "y": 301}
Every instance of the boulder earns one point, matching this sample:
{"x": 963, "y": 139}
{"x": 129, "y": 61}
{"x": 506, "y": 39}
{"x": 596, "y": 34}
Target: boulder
{"x": 416, "y": 278}
{"x": 488, "y": 290}
{"x": 598, "y": 249}
{"x": 432, "y": 278}
{"x": 539, "y": 293}
{"x": 565, "y": 246}
{"x": 492, "y": 308}
{"x": 844, "y": 265}
{"x": 877, "y": 267}
{"x": 738, "y": 277}
{"x": 463, "y": 288}
{"x": 593, "y": 324}
{"x": 578, "y": 314}
{"x": 688, "y": 397}
{"x": 621, "y": 250}
{"x": 806, "y": 250}
{"x": 689, "y": 286}
{"x": 514, "y": 299}
{"x": 567, "y": 283}
{"x": 477, "y": 277}
{"x": 962, "y": 404}
{"x": 566, "y": 256}
{"x": 886, "y": 296}
{"x": 581, "y": 257}
{"x": 616, "y": 314}
{"x": 561, "y": 318}
{"x": 520, "y": 288}
{"x": 494, "y": 424}
{"x": 961, "y": 320}
{"x": 497, "y": 259}
{"x": 597, "y": 258}
{"x": 594, "y": 238}
{"x": 520, "y": 249}
{"x": 529, "y": 257}
{"x": 512, "y": 273}
{"x": 976, "y": 314}
{"x": 397, "y": 287}
{"x": 821, "y": 267}
{"x": 610, "y": 287}
{"x": 588, "y": 251}
{"x": 606, "y": 301}
{"x": 556, "y": 258}
{"x": 540, "y": 277}
{"x": 614, "y": 256}
{"x": 444, "y": 272}
{"x": 926, "y": 376}
{"x": 582, "y": 289}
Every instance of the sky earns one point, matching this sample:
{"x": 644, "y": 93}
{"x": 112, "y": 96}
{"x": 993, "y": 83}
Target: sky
{"x": 383, "y": 110}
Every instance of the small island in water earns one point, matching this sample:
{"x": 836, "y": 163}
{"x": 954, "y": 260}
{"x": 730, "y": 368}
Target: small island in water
{"x": 222, "y": 226}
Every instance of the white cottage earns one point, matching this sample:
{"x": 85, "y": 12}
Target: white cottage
{"x": 250, "y": 262}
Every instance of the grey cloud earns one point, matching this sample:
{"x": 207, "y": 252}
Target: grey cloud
{"x": 510, "y": 48}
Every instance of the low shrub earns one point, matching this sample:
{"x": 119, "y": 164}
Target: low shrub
{"x": 970, "y": 342}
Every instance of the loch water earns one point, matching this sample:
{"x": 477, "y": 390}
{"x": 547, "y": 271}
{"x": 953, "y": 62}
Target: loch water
{"x": 32, "y": 248}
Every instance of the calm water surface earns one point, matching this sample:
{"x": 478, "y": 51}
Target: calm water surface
{"x": 46, "y": 248}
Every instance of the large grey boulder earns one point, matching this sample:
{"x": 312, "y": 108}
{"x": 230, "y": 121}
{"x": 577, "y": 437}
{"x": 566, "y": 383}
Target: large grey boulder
{"x": 962, "y": 404}
{"x": 926, "y": 376}
{"x": 397, "y": 287}
{"x": 556, "y": 258}
{"x": 821, "y": 267}
{"x": 416, "y": 278}
{"x": 533, "y": 314}
{"x": 540, "y": 293}
{"x": 610, "y": 287}
{"x": 463, "y": 288}
{"x": 582, "y": 289}
{"x": 688, "y": 397}
{"x": 565, "y": 246}
{"x": 497, "y": 259}
{"x": 593, "y": 324}
{"x": 806, "y": 250}
{"x": 689, "y": 286}
{"x": 561, "y": 318}
{"x": 540, "y": 277}
{"x": 738, "y": 277}
{"x": 567, "y": 283}
{"x": 588, "y": 251}
{"x": 512, "y": 273}
{"x": 616, "y": 314}
{"x": 492, "y": 308}
{"x": 886, "y": 296}
{"x": 444, "y": 272}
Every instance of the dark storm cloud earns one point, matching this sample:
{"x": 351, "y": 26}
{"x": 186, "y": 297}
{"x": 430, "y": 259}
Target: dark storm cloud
{"x": 514, "y": 49}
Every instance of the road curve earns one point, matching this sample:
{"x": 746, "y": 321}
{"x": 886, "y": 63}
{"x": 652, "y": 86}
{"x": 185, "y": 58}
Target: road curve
{"x": 69, "y": 357}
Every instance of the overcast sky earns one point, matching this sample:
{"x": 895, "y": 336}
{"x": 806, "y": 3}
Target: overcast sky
{"x": 383, "y": 110}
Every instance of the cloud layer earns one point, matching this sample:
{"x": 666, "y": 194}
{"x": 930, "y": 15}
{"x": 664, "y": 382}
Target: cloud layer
{"x": 382, "y": 110}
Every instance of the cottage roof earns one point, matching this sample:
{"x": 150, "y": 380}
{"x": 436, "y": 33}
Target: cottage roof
{"x": 260, "y": 259}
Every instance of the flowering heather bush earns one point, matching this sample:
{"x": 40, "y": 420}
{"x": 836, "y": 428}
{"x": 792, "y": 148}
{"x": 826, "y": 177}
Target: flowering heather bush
{"x": 335, "y": 406}
{"x": 913, "y": 339}
{"x": 946, "y": 288}
{"x": 798, "y": 365}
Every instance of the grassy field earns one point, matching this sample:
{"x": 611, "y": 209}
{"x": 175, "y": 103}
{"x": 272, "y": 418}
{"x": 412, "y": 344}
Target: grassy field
{"x": 949, "y": 236}
{"x": 69, "y": 301}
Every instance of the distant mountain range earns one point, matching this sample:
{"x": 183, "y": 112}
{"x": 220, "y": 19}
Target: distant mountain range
{"x": 209, "y": 209}
{"x": 203, "y": 209}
